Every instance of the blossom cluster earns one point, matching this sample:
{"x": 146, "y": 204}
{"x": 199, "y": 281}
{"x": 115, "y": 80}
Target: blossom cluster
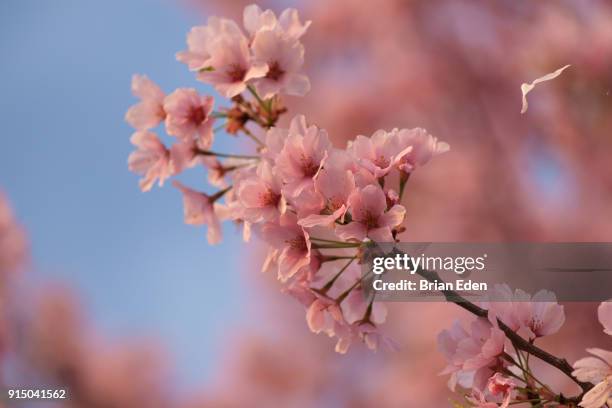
{"x": 314, "y": 204}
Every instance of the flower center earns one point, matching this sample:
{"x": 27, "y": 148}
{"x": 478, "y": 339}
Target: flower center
{"x": 197, "y": 115}
{"x": 269, "y": 198}
{"x": 298, "y": 243}
{"x": 236, "y": 73}
{"x": 275, "y": 72}
{"x": 369, "y": 220}
{"x": 309, "y": 168}
{"x": 382, "y": 162}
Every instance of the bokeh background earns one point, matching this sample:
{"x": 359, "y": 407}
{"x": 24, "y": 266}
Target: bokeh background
{"x": 228, "y": 337}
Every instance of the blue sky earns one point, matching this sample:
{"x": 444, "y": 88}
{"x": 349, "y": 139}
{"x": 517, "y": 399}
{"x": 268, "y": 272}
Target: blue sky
{"x": 65, "y": 72}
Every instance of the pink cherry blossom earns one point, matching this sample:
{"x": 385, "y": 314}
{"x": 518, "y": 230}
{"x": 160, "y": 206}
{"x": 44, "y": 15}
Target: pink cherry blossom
{"x": 199, "y": 209}
{"x": 499, "y": 385}
{"x": 255, "y": 20}
{"x": 538, "y": 315}
{"x": 293, "y": 243}
{"x": 188, "y": 116}
{"x": 149, "y": 112}
{"x": 302, "y": 156}
{"x": 598, "y": 371}
{"x": 471, "y": 355}
{"x": 424, "y": 147}
{"x": 604, "y": 313}
{"x": 230, "y": 65}
{"x": 379, "y": 153}
{"x": 284, "y": 57}
{"x": 13, "y": 243}
{"x": 323, "y": 315}
{"x": 355, "y": 307}
{"x": 478, "y": 400}
{"x": 334, "y": 184}
{"x": 200, "y": 39}
{"x": 369, "y": 216}
{"x": 260, "y": 195}
{"x": 152, "y": 159}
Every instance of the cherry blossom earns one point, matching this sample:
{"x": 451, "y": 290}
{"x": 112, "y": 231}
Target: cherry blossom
{"x": 424, "y": 147}
{"x": 188, "y": 116}
{"x": 379, "y": 153}
{"x": 370, "y": 217}
{"x": 293, "y": 243}
{"x": 302, "y": 156}
{"x": 152, "y": 159}
{"x": 149, "y": 112}
{"x": 199, "y": 209}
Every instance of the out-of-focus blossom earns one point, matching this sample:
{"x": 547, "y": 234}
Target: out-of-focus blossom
{"x": 13, "y": 242}
{"x": 255, "y": 20}
{"x": 604, "y": 313}
{"x": 152, "y": 159}
{"x": 370, "y": 217}
{"x": 149, "y": 112}
{"x": 199, "y": 209}
{"x": 188, "y": 116}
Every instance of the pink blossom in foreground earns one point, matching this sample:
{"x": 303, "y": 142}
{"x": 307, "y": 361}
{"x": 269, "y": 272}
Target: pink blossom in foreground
{"x": 369, "y": 216}
{"x": 379, "y": 153}
{"x": 188, "y": 116}
{"x": 284, "y": 58}
{"x": 598, "y": 369}
{"x": 293, "y": 243}
{"x": 502, "y": 386}
{"x": 302, "y": 156}
{"x": 152, "y": 159}
{"x": 199, "y": 209}
{"x": 149, "y": 112}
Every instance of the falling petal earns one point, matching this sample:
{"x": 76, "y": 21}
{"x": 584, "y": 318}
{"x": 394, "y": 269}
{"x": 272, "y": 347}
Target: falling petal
{"x": 526, "y": 88}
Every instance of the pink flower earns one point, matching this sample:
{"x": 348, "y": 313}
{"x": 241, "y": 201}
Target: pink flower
{"x": 13, "y": 243}
{"x": 200, "y": 38}
{"x": 355, "y": 307}
{"x": 379, "y": 153}
{"x": 498, "y": 385}
{"x": 470, "y": 355}
{"x": 284, "y": 57}
{"x": 254, "y": 20}
{"x": 261, "y": 196}
{"x": 151, "y": 159}
{"x": 424, "y": 147}
{"x": 597, "y": 370}
{"x": 539, "y": 315}
{"x": 334, "y": 184}
{"x": 199, "y": 209}
{"x": 604, "y": 313}
{"x": 369, "y": 218}
{"x": 149, "y": 112}
{"x": 323, "y": 315}
{"x": 230, "y": 65}
{"x": 292, "y": 241}
{"x": 302, "y": 156}
{"x": 188, "y": 116}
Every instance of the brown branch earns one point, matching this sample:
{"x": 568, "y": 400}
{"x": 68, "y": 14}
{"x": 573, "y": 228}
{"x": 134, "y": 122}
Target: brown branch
{"x": 519, "y": 342}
